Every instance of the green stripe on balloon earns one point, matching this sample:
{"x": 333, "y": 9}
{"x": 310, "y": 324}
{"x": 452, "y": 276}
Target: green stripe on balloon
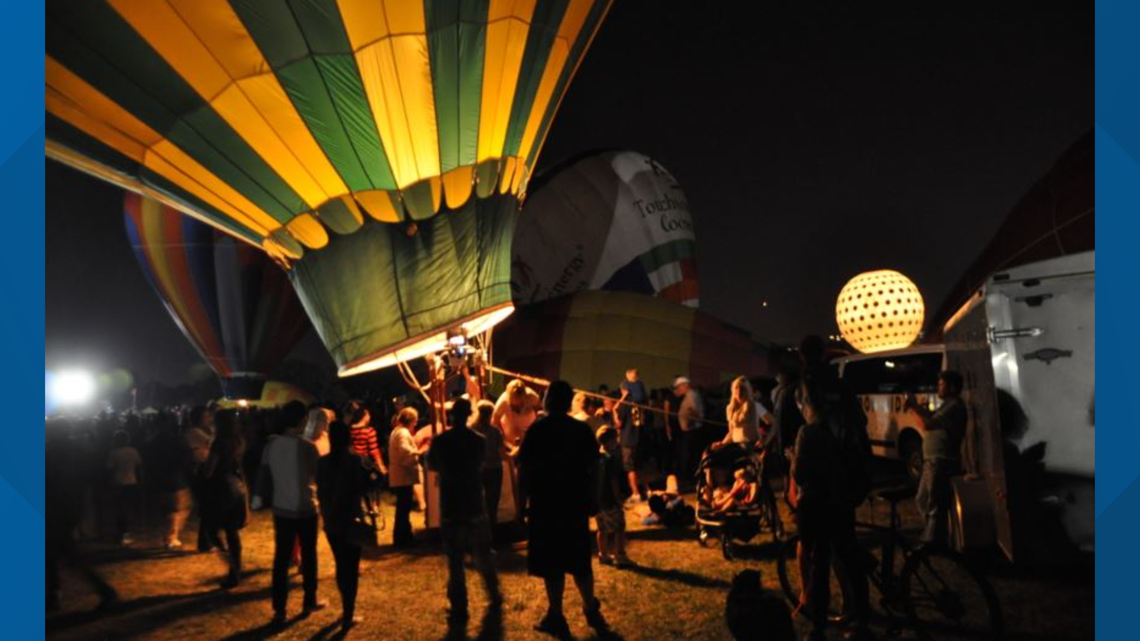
{"x": 664, "y": 254}
{"x": 456, "y": 266}
{"x": 577, "y": 50}
{"x": 539, "y": 41}
{"x": 146, "y": 86}
{"x": 307, "y": 46}
{"x": 456, "y": 41}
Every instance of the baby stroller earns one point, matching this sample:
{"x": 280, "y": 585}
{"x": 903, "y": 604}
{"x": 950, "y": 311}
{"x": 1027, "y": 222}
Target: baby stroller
{"x": 735, "y": 502}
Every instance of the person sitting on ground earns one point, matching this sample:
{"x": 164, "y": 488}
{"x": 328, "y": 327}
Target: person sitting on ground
{"x": 611, "y": 515}
{"x": 668, "y": 509}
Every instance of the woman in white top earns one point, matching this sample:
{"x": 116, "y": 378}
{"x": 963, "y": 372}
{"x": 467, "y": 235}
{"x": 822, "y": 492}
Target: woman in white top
{"x": 403, "y": 473}
{"x": 743, "y": 424}
{"x": 317, "y": 428}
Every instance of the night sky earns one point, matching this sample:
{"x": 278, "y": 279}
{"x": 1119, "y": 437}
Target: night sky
{"x": 812, "y": 144}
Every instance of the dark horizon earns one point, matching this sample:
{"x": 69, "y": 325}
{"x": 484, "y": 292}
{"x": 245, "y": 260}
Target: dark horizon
{"x": 812, "y": 145}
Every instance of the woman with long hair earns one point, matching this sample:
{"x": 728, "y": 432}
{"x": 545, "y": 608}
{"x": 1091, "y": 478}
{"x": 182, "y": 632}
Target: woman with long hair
{"x": 743, "y": 424}
{"x": 226, "y": 504}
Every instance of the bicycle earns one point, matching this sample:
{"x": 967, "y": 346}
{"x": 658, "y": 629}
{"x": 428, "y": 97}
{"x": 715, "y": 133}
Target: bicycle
{"x": 941, "y": 595}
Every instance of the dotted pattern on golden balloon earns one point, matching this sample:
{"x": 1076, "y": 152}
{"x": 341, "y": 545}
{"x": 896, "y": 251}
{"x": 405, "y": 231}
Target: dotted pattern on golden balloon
{"x": 879, "y": 310}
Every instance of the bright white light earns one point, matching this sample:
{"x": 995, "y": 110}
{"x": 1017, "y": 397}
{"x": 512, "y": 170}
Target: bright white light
{"x": 74, "y": 387}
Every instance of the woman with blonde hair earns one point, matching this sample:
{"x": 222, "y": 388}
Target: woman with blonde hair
{"x": 317, "y": 428}
{"x": 743, "y": 423}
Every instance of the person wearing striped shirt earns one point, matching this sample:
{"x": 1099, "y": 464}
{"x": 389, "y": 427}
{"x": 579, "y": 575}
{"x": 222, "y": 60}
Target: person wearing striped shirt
{"x": 364, "y": 440}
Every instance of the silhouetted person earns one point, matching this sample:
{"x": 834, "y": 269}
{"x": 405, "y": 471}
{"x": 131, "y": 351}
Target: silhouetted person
{"x": 124, "y": 467}
{"x": 342, "y": 481}
{"x": 825, "y": 517}
{"x": 198, "y": 436}
{"x": 288, "y": 475}
{"x": 457, "y": 456}
{"x": 495, "y": 452}
{"x": 755, "y": 614}
{"x": 556, "y": 466}
{"x": 63, "y": 511}
{"x": 225, "y": 499}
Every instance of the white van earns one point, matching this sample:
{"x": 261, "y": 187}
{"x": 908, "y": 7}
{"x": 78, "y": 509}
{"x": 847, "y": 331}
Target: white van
{"x": 882, "y": 380}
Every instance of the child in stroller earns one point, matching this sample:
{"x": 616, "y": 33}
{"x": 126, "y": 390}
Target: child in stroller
{"x": 735, "y": 504}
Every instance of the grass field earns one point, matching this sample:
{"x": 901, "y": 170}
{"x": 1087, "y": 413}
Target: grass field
{"x": 676, "y": 591}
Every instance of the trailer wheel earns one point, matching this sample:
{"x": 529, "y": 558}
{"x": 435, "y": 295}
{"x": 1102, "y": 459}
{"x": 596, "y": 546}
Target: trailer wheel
{"x": 910, "y": 451}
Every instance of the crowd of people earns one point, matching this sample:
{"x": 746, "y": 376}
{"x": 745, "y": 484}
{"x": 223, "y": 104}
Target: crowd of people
{"x": 575, "y": 455}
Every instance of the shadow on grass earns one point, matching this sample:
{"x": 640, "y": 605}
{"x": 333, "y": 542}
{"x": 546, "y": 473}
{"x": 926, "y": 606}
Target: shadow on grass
{"x": 490, "y": 628}
{"x": 678, "y": 576}
{"x": 766, "y": 551}
{"x": 663, "y": 534}
{"x": 149, "y": 613}
{"x": 331, "y": 632}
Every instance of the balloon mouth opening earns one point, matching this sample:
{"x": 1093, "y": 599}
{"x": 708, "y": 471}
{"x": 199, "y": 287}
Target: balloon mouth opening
{"x": 428, "y": 343}
{"x": 243, "y": 386}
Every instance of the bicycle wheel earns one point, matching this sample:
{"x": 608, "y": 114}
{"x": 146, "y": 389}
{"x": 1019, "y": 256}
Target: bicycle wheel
{"x": 787, "y": 567}
{"x": 947, "y": 599}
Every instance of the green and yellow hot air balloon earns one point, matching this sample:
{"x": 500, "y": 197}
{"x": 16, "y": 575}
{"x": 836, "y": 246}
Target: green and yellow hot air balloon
{"x": 379, "y": 149}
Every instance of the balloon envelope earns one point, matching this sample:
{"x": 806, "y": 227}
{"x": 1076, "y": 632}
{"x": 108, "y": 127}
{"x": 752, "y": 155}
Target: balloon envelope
{"x": 233, "y": 303}
{"x": 590, "y": 338}
{"x": 614, "y": 220}
{"x": 297, "y": 126}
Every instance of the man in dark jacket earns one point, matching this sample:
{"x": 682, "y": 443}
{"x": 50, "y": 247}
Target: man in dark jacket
{"x": 457, "y": 456}
{"x": 556, "y": 466}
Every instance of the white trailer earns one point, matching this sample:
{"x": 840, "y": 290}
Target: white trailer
{"x": 1026, "y": 345}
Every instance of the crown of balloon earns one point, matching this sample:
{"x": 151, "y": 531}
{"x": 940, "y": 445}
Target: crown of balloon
{"x": 280, "y": 122}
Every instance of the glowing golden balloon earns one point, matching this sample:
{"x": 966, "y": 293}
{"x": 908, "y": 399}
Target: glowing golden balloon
{"x": 879, "y": 310}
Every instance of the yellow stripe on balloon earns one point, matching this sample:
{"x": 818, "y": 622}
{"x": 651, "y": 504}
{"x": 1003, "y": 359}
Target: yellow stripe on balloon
{"x": 206, "y": 43}
{"x": 577, "y": 63}
{"x": 306, "y": 229}
{"x": 568, "y": 31}
{"x": 390, "y": 44}
{"x": 508, "y": 22}
{"x": 104, "y": 120}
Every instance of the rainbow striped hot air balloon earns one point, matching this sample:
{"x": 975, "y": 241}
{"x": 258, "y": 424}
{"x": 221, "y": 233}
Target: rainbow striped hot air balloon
{"x": 320, "y": 130}
{"x": 230, "y": 300}
{"x": 612, "y": 220}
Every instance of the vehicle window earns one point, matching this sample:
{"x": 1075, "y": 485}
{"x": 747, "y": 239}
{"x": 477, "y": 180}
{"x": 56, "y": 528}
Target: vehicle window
{"x": 894, "y": 375}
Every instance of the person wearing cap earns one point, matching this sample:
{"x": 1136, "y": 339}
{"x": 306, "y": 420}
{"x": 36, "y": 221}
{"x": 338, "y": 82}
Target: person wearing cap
{"x": 690, "y": 440}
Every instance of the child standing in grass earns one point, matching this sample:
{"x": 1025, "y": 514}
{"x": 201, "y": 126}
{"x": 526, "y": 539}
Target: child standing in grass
{"x": 611, "y": 515}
